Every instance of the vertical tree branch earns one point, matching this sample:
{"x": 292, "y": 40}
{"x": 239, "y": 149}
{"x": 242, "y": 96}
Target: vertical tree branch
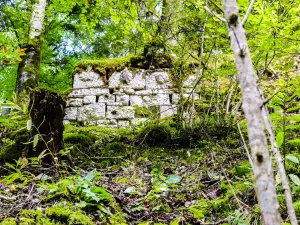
{"x": 252, "y": 102}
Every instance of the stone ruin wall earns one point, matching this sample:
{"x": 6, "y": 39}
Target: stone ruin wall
{"x": 94, "y": 101}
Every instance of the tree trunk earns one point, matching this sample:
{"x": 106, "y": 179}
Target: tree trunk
{"x": 29, "y": 68}
{"x": 252, "y": 106}
{"x": 47, "y": 114}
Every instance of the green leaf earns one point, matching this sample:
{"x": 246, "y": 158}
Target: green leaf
{"x": 173, "y": 179}
{"x": 81, "y": 204}
{"x": 279, "y": 139}
{"x": 295, "y": 179}
{"x": 29, "y": 124}
{"x": 277, "y": 179}
{"x": 292, "y": 158}
{"x": 90, "y": 176}
{"x": 35, "y": 140}
{"x": 175, "y": 222}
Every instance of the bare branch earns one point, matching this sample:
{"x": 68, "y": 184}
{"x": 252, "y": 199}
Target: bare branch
{"x": 248, "y": 12}
{"x": 214, "y": 14}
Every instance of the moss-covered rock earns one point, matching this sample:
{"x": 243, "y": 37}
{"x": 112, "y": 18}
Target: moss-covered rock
{"x": 78, "y": 218}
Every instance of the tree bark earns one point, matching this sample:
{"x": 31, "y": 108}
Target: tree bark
{"x": 252, "y": 106}
{"x": 29, "y": 68}
{"x": 47, "y": 114}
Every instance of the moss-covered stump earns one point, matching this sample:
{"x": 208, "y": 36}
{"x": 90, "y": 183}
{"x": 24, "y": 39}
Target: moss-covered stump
{"x": 47, "y": 113}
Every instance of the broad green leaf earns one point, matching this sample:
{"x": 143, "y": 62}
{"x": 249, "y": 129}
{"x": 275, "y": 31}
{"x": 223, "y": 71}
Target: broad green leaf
{"x": 292, "y": 158}
{"x": 279, "y": 139}
{"x": 81, "y": 204}
{"x": 175, "y": 222}
{"x": 35, "y": 140}
{"x": 90, "y": 176}
{"x": 29, "y": 124}
{"x": 173, "y": 179}
{"x": 295, "y": 179}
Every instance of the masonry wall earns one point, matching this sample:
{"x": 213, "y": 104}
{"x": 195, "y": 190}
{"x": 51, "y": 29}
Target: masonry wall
{"x": 118, "y": 102}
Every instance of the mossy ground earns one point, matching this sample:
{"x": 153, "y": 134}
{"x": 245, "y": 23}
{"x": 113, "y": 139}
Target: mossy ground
{"x": 155, "y": 174}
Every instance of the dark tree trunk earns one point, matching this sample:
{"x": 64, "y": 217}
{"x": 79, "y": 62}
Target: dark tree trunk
{"x": 47, "y": 113}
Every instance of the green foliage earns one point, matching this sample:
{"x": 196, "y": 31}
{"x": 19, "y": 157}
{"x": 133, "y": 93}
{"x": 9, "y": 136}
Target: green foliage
{"x": 9, "y": 221}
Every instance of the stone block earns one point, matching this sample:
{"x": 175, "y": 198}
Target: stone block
{"x": 66, "y": 121}
{"x": 91, "y": 112}
{"x": 157, "y": 80}
{"x": 129, "y": 91}
{"x": 87, "y": 80}
{"x": 136, "y": 100}
{"x": 107, "y": 122}
{"x": 138, "y": 82}
{"x": 123, "y": 123}
{"x": 90, "y": 123}
{"x": 122, "y": 100}
{"x": 107, "y": 98}
{"x": 143, "y": 92}
{"x": 89, "y": 91}
{"x": 119, "y": 112}
{"x": 114, "y": 80}
{"x": 175, "y": 98}
{"x": 168, "y": 110}
{"x": 147, "y": 100}
{"x": 71, "y": 113}
{"x": 160, "y": 99}
{"x": 190, "y": 81}
{"x": 126, "y": 76}
{"x": 74, "y": 102}
{"x": 91, "y": 99}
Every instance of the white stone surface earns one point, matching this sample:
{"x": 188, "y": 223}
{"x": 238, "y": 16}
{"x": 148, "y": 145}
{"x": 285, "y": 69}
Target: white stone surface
{"x": 91, "y": 99}
{"x": 160, "y": 99}
{"x": 89, "y": 91}
{"x": 87, "y": 80}
{"x": 175, "y": 98}
{"x": 168, "y": 110}
{"x": 71, "y": 113}
{"x": 147, "y": 100}
{"x": 114, "y": 80}
{"x": 157, "y": 80}
{"x": 129, "y": 91}
{"x": 126, "y": 76}
{"x": 123, "y": 123}
{"x": 190, "y": 81}
{"x": 123, "y": 99}
{"x": 107, "y": 122}
{"x": 113, "y": 105}
{"x": 143, "y": 92}
{"x": 136, "y": 100}
{"x": 117, "y": 112}
{"x": 74, "y": 102}
{"x": 139, "y": 81}
{"x": 91, "y": 112}
{"x": 107, "y": 98}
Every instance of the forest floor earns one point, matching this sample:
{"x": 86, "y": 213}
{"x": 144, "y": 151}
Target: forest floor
{"x": 150, "y": 175}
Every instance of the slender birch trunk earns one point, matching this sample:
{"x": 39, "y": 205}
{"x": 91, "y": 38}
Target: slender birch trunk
{"x": 252, "y": 106}
{"x": 29, "y": 68}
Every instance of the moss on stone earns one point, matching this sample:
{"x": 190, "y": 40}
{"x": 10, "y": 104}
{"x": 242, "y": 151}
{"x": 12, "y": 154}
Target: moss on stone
{"x": 105, "y": 67}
